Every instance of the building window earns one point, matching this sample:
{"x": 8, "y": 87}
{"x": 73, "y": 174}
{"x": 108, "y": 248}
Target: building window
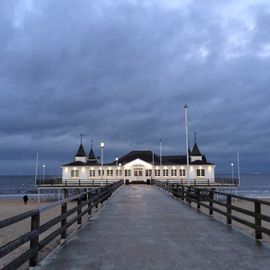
{"x": 182, "y": 172}
{"x": 200, "y": 172}
{"x": 109, "y": 172}
{"x": 148, "y": 172}
{"x": 127, "y": 172}
{"x": 118, "y": 172}
{"x": 74, "y": 173}
{"x": 157, "y": 172}
{"x": 165, "y": 172}
{"x": 99, "y": 173}
{"x": 173, "y": 172}
{"x": 92, "y": 173}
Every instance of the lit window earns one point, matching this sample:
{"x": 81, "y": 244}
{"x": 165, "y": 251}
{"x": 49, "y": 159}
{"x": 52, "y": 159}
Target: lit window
{"x": 182, "y": 172}
{"x": 92, "y": 173}
{"x": 74, "y": 173}
{"x": 165, "y": 172}
{"x": 127, "y": 172}
{"x": 109, "y": 172}
{"x": 201, "y": 172}
{"x": 173, "y": 172}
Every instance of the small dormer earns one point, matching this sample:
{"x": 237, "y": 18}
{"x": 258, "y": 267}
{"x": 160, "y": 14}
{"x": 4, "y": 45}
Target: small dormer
{"x": 80, "y": 156}
{"x": 196, "y": 153}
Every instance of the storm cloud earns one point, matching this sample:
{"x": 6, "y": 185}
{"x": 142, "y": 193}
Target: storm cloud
{"x": 121, "y": 71}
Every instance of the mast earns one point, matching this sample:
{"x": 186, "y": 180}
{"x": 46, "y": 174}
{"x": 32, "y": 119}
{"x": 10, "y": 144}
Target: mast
{"x": 186, "y": 129}
{"x": 36, "y": 171}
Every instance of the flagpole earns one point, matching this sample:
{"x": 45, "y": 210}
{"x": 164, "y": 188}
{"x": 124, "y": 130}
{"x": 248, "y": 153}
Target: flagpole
{"x": 238, "y": 168}
{"x": 160, "y": 157}
{"x": 186, "y": 129}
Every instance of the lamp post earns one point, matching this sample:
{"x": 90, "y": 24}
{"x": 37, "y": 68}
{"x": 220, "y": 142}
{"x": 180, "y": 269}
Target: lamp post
{"x": 43, "y": 172}
{"x": 116, "y": 164}
{"x": 186, "y": 131}
{"x": 102, "y": 145}
{"x": 232, "y": 165}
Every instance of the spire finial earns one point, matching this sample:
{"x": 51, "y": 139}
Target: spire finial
{"x": 81, "y": 135}
{"x": 195, "y": 137}
{"x": 91, "y": 141}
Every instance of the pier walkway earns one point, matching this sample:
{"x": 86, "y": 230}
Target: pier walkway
{"x": 142, "y": 227}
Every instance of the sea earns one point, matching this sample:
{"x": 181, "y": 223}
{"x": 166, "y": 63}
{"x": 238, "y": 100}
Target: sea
{"x": 15, "y": 187}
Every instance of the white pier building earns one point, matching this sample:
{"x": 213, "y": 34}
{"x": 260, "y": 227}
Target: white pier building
{"x": 140, "y": 166}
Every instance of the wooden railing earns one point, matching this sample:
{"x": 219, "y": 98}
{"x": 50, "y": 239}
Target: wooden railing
{"x": 58, "y": 182}
{"x": 208, "y": 198}
{"x": 85, "y": 202}
{"x": 202, "y": 182}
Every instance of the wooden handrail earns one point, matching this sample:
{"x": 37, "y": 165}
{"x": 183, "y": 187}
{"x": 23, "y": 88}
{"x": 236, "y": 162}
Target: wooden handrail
{"x": 205, "y": 198}
{"x": 93, "y": 198}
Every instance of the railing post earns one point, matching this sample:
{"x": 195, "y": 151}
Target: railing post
{"x": 211, "y": 198}
{"x": 189, "y": 195}
{"x": 183, "y": 192}
{"x": 258, "y": 221}
{"x": 34, "y": 243}
{"x": 198, "y": 199}
{"x": 229, "y": 209}
{"x": 64, "y": 221}
{"x": 89, "y": 203}
{"x": 80, "y": 209}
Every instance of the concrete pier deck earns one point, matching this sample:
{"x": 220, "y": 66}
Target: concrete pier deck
{"x": 142, "y": 227}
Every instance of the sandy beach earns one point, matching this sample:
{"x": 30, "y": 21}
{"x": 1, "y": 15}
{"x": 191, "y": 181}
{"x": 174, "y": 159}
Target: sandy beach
{"x": 10, "y": 208}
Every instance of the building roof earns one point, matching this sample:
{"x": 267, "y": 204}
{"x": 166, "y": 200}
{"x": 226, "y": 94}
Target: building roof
{"x": 196, "y": 151}
{"x": 76, "y": 163}
{"x": 145, "y": 155}
{"x": 81, "y": 152}
{"x": 201, "y": 162}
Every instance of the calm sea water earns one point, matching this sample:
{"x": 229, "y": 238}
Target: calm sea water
{"x": 257, "y": 186}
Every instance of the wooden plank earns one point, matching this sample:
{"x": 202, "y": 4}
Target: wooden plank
{"x": 34, "y": 243}
{"x": 12, "y": 245}
{"x": 20, "y": 260}
{"x": 242, "y": 210}
{"x": 17, "y": 218}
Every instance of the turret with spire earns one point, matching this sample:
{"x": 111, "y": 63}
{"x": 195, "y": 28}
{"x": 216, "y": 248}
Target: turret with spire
{"x": 196, "y": 153}
{"x": 80, "y": 156}
{"x": 91, "y": 156}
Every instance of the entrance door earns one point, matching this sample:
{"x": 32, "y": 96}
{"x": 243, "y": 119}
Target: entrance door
{"x": 138, "y": 174}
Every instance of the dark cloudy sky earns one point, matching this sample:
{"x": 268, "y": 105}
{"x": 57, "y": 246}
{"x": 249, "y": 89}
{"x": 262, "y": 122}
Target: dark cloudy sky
{"x": 122, "y": 70}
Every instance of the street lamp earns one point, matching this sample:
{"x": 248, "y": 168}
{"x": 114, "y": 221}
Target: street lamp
{"x": 43, "y": 172}
{"x": 232, "y": 165}
{"x": 116, "y": 165}
{"x": 102, "y": 145}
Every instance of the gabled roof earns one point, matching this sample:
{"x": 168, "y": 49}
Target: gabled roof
{"x": 76, "y": 163}
{"x": 81, "y": 152}
{"x": 174, "y": 160}
{"x": 201, "y": 162}
{"x": 146, "y": 156}
{"x": 195, "y": 151}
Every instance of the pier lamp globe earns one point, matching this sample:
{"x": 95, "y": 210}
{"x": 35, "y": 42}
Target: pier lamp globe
{"x": 232, "y": 171}
{"x": 102, "y": 145}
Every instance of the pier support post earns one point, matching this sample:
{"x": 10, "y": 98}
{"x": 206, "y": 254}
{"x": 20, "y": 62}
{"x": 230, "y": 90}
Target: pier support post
{"x": 64, "y": 211}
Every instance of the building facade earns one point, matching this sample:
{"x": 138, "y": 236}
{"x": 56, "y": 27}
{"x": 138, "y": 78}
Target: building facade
{"x": 140, "y": 166}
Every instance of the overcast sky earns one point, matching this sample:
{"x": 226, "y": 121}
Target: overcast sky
{"x": 121, "y": 71}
